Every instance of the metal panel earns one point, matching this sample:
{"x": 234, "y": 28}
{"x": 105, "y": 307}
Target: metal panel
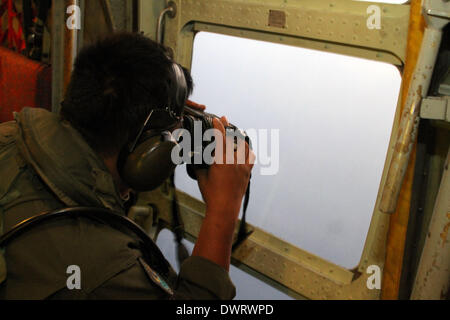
{"x": 148, "y": 12}
{"x": 417, "y": 90}
{"x": 435, "y": 108}
{"x": 433, "y": 274}
{"x": 338, "y": 26}
{"x": 57, "y": 56}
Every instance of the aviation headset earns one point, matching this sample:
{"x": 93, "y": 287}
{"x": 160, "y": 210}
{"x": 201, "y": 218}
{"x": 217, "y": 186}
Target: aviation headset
{"x": 145, "y": 163}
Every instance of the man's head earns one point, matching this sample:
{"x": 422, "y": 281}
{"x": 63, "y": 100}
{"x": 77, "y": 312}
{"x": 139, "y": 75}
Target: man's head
{"x": 115, "y": 84}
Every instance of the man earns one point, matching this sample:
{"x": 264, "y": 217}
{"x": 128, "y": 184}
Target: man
{"x": 50, "y": 161}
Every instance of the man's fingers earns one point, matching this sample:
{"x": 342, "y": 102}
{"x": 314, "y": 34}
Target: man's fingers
{"x": 219, "y": 126}
{"x": 224, "y": 121}
{"x": 231, "y": 153}
{"x": 220, "y": 137}
{"x": 241, "y": 152}
{"x": 195, "y": 105}
{"x": 251, "y": 158}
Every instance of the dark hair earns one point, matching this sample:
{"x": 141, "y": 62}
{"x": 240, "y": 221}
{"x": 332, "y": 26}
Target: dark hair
{"x": 115, "y": 84}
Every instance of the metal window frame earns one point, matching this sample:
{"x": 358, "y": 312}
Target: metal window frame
{"x": 309, "y": 24}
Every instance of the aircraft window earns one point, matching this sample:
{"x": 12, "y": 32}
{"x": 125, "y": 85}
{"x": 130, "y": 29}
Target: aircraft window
{"x": 322, "y": 123}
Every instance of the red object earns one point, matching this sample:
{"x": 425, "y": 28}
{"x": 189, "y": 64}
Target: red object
{"x": 23, "y": 83}
{"x": 13, "y": 37}
{"x": 195, "y": 105}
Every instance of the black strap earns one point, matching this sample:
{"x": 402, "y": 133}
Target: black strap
{"x": 178, "y": 227}
{"x": 243, "y": 233}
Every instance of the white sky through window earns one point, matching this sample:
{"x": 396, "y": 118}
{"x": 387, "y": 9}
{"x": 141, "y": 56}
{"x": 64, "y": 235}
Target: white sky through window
{"x": 334, "y": 115}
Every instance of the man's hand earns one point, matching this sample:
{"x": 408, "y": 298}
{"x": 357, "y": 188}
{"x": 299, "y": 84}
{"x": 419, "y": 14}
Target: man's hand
{"x": 222, "y": 186}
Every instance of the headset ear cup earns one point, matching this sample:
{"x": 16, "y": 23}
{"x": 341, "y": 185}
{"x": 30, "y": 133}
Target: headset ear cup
{"x": 150, "y": 164}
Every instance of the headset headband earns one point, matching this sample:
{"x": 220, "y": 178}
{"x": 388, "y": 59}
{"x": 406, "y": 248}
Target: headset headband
{"x": 179, "y": 92}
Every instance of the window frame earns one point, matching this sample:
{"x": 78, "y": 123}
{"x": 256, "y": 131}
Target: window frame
{"x": 309, "y": 24}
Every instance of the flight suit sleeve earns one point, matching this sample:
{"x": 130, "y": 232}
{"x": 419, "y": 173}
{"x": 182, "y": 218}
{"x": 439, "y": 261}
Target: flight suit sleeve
{"x": 199, "y": 279}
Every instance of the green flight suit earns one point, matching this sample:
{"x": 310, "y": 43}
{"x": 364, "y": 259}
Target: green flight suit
{"x": 45, "y": 164}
